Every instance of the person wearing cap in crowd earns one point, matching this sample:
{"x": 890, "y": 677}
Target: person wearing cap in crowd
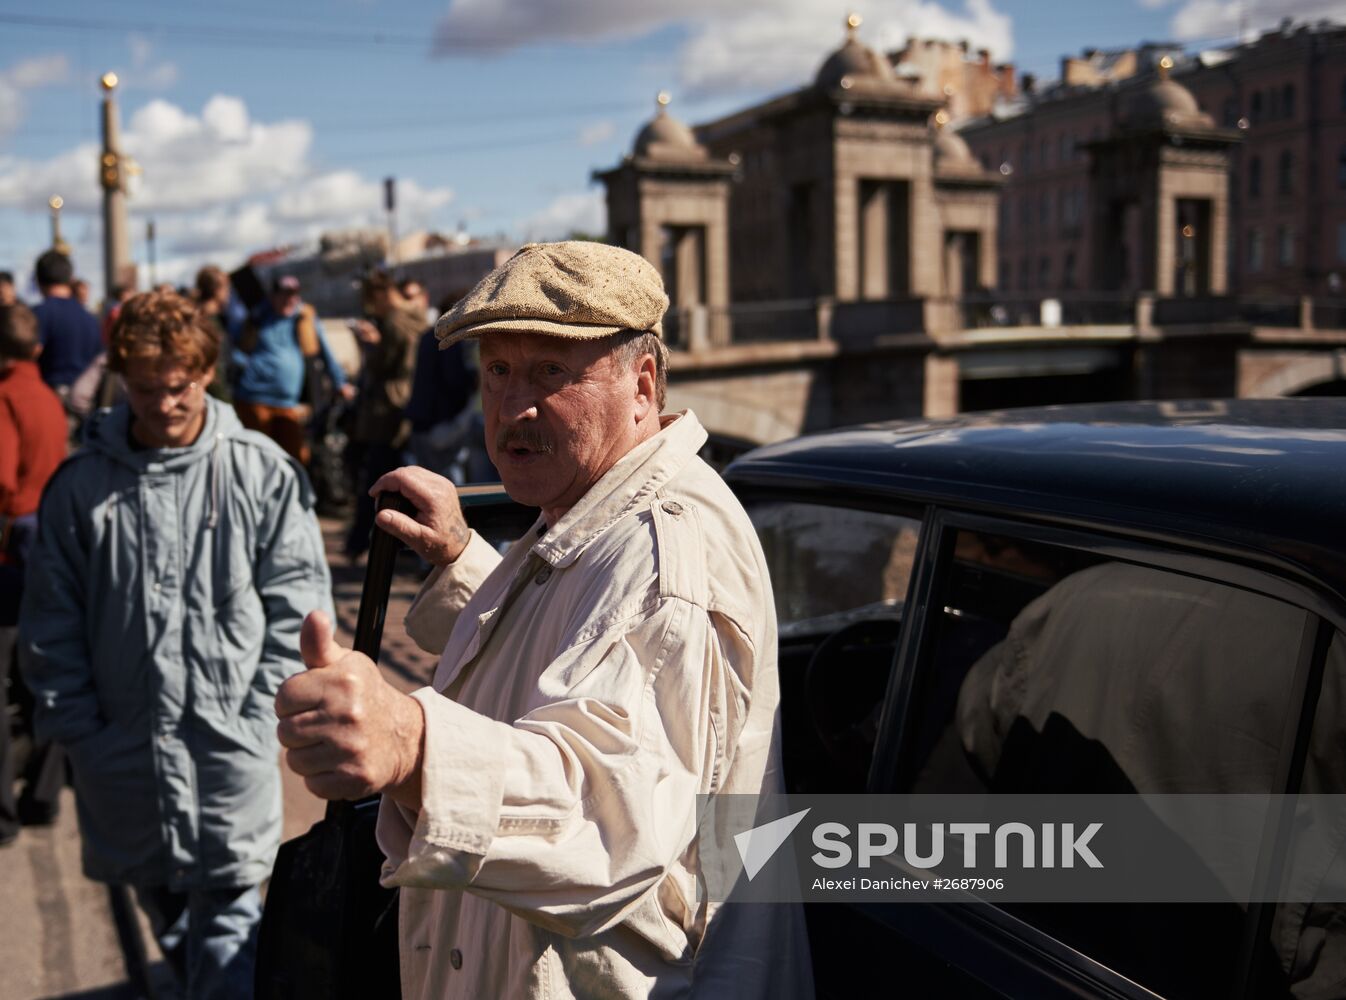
{"x": 176, "y": 556}
{"x": 540, "y": 797}
{"x": 272, "y": 347}
{"x": 32, "y": 445}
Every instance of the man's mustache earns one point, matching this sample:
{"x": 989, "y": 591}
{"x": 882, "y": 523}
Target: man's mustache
{"x": 522, "y": 437}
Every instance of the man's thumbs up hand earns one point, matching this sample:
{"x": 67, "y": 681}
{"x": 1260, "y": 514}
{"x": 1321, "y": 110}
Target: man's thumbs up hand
{"x": 317, "y": 642}
{"x": 347, "y": 732}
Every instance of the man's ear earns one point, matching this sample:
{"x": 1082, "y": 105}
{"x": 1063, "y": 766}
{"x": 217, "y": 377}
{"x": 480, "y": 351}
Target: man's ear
{"x": 645, "y": 387}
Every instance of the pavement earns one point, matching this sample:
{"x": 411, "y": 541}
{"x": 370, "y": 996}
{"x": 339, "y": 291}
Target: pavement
{"x": 58, "y": 937}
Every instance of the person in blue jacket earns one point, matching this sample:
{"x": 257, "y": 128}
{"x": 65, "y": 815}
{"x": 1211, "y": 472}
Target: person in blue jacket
{"x": 176, "y": 557}
{"x": 271, "y": 349}
{"x": 69, "y": 333}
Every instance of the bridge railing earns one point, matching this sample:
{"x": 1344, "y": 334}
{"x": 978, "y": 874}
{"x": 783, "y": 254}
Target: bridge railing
{"x": 1282, "y": 311}
{"x": 795, "y": 320}
{"x": 988, "y": 309}
{"x": 696, "y": 328}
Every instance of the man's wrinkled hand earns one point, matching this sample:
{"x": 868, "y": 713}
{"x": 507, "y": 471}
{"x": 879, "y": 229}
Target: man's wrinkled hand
{"x": 438, "y": 533}
{"x": 347, "y": 732}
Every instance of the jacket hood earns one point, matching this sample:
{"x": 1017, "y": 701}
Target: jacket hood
{"x": 108, "y": 432}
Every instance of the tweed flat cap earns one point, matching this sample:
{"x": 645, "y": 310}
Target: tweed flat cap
{"x": 573, "y": 289}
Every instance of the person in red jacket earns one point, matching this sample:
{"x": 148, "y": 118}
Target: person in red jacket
{"x": 32, "y": 444}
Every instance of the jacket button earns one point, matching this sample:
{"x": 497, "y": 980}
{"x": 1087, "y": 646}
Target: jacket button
{"x": 456, "y": 958}
{"x": 672, "y": 507}
{"x": 543, "y": 575}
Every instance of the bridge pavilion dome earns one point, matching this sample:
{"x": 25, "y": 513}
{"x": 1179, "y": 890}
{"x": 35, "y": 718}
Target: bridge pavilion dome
{"x": 854, "y": 63}
{"x": 663, "y": 137}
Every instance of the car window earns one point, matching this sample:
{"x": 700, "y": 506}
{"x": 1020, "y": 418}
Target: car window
{"x": 831, "y": 565}
{"x": 1056, "y": 670}
{"x": 840, "y": 578}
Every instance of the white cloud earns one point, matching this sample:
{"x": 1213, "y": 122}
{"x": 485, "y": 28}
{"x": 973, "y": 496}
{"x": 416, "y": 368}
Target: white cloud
{"x": 783, "y": 45}
{"x": 28, "y": 74}
{"x": 1156, "y": 4}
{"x": 593, "y": 134}
{"x": 42, "y": 71}
{"x": 477, "y": 25}
{"x": 1227, "y": 19}
{"x": 753, "y": 44}
{"x": 146, "y": 74}
{"x": 584, "y": 212}
{"x": 219, "y": 185}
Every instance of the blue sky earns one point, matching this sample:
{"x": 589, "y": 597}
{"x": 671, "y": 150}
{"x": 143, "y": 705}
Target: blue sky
{"x": 261, "y": 123}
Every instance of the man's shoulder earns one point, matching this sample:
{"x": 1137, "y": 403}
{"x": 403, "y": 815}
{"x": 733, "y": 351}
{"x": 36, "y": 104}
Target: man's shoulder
{"x": 691, "y": 537}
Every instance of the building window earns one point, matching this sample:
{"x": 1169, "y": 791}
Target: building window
{"x": 1004, "y": 275}
{"x": 1045, "y": 209}
{"x": 1341, "y": 242}
{"x": 1288, "y": 101}
{"x": 1026, "y": 212}
{"x": 1255, "y": 177}
{"x": 1254, "y": 249}
{"x": 1067, "y": 148}
{"x": 1044, "y": 272}
{"x": 1273, "y": 104}
{"x": 1044, "y": 153}
{"x": 1285, "y": 245}
{"x": 1068, "y": 272}
{"x": 1341, "y": 168}
{"x": 1023, "y": 274}
{"x": 1343, "y": 93}
{"x": 1255, "y": 107}
{"x": 1231, "y": 112}
{"x": 1028, "y": 158}
{"x": 1285, "y": 173}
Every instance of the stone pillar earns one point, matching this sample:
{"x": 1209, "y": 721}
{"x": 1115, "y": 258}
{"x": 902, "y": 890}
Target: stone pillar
{"x": 941, "y": 386}
{"x": 117, "y": 266}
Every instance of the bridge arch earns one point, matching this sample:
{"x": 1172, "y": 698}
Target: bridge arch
{"x": 1303, "y": 373}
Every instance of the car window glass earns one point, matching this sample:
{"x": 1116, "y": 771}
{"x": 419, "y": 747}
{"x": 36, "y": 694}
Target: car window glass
{"x": 1054, "y": 670}
{"x": 840, "y": 578}
{"x": 831, "y": 565}
{"x": 1308, "y": 939}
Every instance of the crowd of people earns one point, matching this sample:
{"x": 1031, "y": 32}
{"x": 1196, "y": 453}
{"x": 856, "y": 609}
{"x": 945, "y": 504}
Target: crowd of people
{"x": 168, "y": 601}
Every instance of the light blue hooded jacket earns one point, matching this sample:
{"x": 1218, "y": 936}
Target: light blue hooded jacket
{"x": 161, "y": 614}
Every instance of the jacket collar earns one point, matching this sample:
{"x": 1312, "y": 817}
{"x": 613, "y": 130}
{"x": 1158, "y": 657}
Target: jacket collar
{"x": 636, "y": 477}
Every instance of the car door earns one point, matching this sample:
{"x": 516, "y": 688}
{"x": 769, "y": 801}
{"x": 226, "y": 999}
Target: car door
{"x": 1059, "y": 661}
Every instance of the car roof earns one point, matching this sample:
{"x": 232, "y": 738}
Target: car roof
{"x": 1264, "y": 476}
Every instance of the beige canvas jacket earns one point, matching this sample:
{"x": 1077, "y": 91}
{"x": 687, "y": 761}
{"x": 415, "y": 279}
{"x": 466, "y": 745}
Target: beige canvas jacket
{"x": 592, "y": 684}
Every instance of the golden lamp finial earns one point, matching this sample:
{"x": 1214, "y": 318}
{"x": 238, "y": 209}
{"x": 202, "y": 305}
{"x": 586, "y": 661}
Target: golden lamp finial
{"x": 853, "y": 21}
{"x": 1165, "y": 64}
{"x": 109, "y": 81}
{"x": 941, "y": 118}
{"x": 56, "y": 203}
{"x": 662, "y": 99}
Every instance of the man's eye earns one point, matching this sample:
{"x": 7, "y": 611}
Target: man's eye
{"x": 551, "y": 369}
{"x": 495, "y": 369}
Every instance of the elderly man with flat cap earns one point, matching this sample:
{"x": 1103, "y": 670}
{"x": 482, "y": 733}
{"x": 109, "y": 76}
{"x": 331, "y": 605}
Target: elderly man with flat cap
{"x": 540, "y": 798}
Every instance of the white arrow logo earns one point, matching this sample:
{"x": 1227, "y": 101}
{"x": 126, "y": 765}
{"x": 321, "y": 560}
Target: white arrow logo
{"x": 757, "y": 846}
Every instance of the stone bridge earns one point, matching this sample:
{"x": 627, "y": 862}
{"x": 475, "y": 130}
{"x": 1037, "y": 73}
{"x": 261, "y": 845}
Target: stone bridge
{"x": 757, "y": 373}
